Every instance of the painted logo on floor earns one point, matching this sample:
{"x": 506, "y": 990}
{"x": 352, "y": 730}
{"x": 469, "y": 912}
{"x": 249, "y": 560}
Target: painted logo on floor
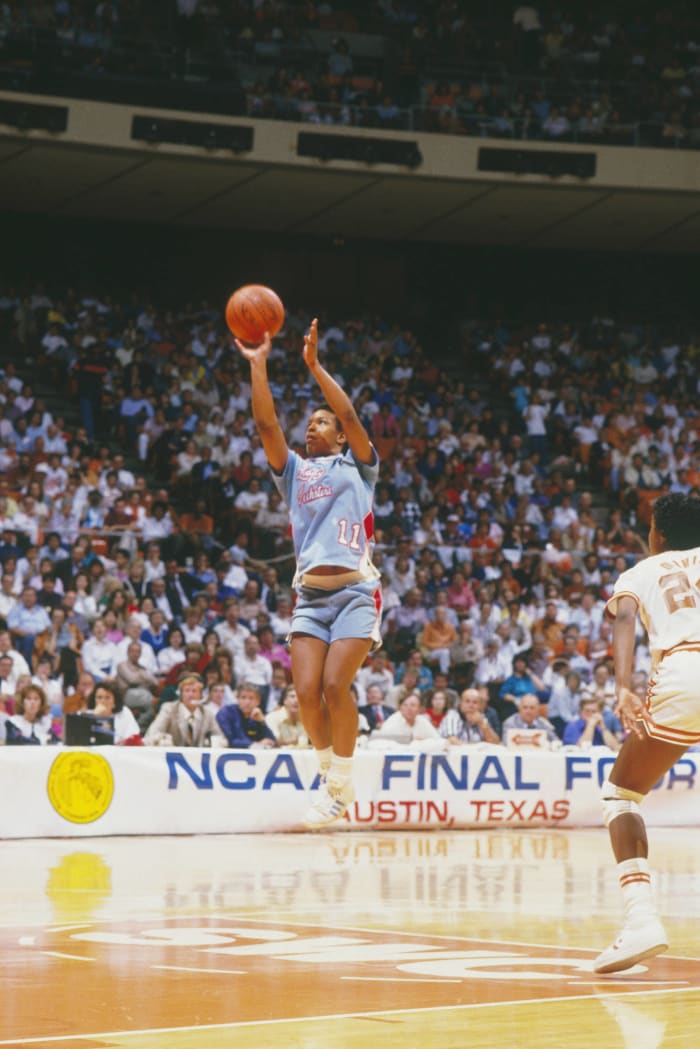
{"x": 329, "y": 970}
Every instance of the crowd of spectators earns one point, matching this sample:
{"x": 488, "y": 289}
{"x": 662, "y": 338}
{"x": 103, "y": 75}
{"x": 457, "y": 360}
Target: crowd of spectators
{"x": 629, "y": 75}
{"x": 143, "y": 546}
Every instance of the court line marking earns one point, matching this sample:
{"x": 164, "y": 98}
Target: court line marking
{"x": 192, "y": 969}
{"x": 340, "y": 928}
{"x": 682, "y": 984}
{"x": 70, "y": 957}
{"x": 329, "y": 925}
{"x": 228, "y": 918}
{"x": 423, "y": 935}
{"x": 110, "y": 919}
{"x": 70, "y": 928}
{"x": 55, "y": 1039}
{"x": 395, "y": 979}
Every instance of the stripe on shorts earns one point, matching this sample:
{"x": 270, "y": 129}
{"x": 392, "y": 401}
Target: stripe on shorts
{"x": 669, "y": 735}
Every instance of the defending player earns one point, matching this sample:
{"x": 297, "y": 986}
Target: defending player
{"x": 337, "y": 614}
{"x": 664, "y": 589}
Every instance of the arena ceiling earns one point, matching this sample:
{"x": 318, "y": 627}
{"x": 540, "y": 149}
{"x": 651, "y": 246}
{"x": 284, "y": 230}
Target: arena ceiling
{"x": 61, "y": 180}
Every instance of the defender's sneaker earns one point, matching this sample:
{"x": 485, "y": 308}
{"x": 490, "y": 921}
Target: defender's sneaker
{"x": 330, "y": 804}
{"x": 632, "y": 945}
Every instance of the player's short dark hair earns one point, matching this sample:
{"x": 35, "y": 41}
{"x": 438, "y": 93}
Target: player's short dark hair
{"x": 677, "y": 517}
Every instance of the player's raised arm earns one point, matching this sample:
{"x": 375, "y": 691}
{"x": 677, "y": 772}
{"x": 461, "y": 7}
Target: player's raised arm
{"x": 264, "y": 413}
{"x": 338, "y": 400}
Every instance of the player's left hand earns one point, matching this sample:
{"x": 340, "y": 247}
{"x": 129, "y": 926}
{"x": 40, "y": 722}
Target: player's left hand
{"x": 631, "y": 711}
{"x": 311, "y": 345}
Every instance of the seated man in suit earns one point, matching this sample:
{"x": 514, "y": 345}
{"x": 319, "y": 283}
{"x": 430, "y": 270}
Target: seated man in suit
{"x": 376, "y": 710}
{"x": 188, "y": 721}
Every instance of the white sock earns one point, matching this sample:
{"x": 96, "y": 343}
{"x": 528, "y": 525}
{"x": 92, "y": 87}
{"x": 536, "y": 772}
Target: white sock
{"x": 635, "y": 883}
{"x": 324, "y": 756}
{"x": 341, "y": 769}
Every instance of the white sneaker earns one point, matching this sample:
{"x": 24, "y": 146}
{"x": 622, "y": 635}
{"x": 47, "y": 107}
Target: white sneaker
{"x": 632, "y": 945}
{"x": 331, "y": 804}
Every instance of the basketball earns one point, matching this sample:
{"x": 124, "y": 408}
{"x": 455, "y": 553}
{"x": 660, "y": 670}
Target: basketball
{"x": 252, "y": 310}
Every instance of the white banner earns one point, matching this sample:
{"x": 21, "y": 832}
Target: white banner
{"x": 75, "y": 792}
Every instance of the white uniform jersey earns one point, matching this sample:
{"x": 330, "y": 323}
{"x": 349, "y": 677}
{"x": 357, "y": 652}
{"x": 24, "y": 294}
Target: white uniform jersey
{"x": 330, "y": 505}
{"x": 666, "y": 588}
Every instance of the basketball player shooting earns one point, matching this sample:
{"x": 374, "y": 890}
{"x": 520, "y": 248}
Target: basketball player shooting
{"x": 337, "y": 613}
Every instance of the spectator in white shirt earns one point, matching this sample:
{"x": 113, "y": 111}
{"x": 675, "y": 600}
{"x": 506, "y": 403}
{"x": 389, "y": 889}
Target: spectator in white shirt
{"x": 565, "y": 513}
{"x": 409, "y": 726}
{"x": 230, "y": 632}
{"x": 158, "y": 524}
{"x": 55, "y": 441}
{"x": 492, "y": 668}
{"x": 251, "y": 499}
{"x": 8, "y": 598}
{"x": 376, "y": 673}
{"x": 98, "y": 654}
{"x": 252, "y": 667}
{"x": 154, "y": 566}
{"x": 20, "y": 667}
{"x": 54, "y": 341}
{"x": 55, "y": 476}
{"x": 174, "y": 652}
{"x": 132, "y": 633}
{"x": 281, "y": 618}
{"x": 192, "y": 626}
{"x": 26, "y": 520}
{"x": 125, "y": 478}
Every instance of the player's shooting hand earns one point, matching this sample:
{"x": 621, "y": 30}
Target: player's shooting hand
{"x": 311, "y": 345}
{"x": 254, "y": 353}
{"x": 631, "y": 712}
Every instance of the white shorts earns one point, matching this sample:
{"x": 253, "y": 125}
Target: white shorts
{"x": 673, "y": 699}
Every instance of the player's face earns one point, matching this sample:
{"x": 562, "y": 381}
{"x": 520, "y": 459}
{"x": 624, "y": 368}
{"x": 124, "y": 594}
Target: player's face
{"x": 322, "y": 434}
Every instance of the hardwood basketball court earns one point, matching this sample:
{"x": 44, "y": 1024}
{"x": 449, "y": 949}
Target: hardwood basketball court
{"x": 339, "y": 940}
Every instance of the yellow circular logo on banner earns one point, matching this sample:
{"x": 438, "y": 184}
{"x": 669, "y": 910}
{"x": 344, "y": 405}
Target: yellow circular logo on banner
{"x": 80, "y": 786}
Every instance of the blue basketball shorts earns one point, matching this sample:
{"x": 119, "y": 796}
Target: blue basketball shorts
{"x": 353, "y": 611}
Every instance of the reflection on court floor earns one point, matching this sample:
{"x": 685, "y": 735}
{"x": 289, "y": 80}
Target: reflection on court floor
{"x": 332, "y": 940}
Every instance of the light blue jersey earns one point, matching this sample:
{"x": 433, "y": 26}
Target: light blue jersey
{"x": 330, "y": 506}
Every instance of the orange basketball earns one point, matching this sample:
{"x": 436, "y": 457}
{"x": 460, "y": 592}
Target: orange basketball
{"x": 252, "y": 310}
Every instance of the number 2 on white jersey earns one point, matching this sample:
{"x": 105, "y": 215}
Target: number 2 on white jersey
{"x": 678, "y": 591}
{"x": 354, "y": 541}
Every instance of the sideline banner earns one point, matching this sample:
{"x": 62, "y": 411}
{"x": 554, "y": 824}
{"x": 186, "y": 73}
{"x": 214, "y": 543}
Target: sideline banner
{"x": 75, "y": 792}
